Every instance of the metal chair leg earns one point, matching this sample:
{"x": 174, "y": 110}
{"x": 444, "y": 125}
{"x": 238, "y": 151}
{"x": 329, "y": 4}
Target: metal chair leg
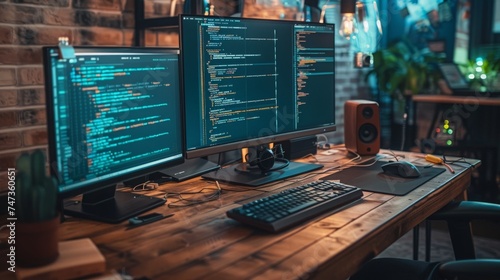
{"x": 428, "y": 230}
{"x": 416, "y": 231}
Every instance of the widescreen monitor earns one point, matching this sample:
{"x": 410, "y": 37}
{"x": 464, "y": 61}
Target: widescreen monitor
{"x": 250, "y": 82}
{"x": 114, "y": 114}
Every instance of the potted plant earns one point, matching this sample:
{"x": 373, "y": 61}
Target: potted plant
{"x": 36, "y": 212}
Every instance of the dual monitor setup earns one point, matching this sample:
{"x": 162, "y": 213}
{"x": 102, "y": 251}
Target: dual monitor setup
{"x": 123, "y": 113}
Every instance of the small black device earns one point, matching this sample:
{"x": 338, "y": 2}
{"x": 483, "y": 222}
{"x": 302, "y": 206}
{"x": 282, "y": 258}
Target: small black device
{"x": 146, "y": 219}
{"x": 299, "y": 147}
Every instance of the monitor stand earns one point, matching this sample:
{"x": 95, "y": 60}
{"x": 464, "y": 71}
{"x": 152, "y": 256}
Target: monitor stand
{"x": 239, "y": 175}
{"x": 110, "y": 206}
{"x": 189, "y": 169}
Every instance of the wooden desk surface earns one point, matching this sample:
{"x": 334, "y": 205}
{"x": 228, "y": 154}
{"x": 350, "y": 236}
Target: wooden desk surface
{"x": 453, "y": 99}
{"x": 201, "y": 242}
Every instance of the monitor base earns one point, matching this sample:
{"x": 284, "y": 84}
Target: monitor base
{"x": 233, "y": 174}
{"x": 122, "y": 206}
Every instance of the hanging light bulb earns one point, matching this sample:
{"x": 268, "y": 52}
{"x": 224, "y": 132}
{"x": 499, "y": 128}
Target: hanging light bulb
{"x": 364, "y": 41}
{"x": 348, "y": 25}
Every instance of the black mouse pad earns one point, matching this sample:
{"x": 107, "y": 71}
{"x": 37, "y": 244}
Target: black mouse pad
{"x": 373, "y": 179}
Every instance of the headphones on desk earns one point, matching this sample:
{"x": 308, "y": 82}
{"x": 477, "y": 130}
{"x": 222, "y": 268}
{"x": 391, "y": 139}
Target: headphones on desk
{"x": 266, "y": 158}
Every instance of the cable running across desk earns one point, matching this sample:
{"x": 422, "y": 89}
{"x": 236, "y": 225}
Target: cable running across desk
{"x": 293, "y": 206}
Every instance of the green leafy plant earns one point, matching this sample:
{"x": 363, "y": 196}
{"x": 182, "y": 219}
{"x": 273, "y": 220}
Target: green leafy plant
{"x": 402, "y": 69}
{"x": 36, "y": 193}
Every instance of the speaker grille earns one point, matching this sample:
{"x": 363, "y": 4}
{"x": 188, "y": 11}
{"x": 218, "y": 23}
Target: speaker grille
{"x": 368, "y": 133}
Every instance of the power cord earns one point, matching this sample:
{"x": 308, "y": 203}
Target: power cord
{"x": 403, "y": 131}
{"x": 183, "y": 200}
{"x": 151, "y": 184}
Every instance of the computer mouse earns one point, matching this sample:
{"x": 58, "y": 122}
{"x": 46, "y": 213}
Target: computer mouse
{"x": 404, "y": 169}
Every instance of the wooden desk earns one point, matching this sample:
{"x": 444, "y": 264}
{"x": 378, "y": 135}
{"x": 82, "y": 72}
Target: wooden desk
{"x": 200, "y": 241}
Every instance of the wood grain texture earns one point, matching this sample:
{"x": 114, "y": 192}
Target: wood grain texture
{"x": 199, "y": 241}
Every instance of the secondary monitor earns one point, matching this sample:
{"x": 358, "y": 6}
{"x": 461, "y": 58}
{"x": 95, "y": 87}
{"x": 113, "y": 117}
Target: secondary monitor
{"x": 251, "y": 82}
{"x": 114, "y": 114}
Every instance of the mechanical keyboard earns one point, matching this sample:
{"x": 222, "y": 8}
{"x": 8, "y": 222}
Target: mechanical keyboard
{"x": 293, "y": 206}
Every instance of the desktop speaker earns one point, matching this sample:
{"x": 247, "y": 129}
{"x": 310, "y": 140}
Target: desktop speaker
{"x": 362, "y": 127}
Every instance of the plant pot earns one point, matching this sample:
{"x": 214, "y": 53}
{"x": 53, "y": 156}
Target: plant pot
{"x": 37, "y": 243}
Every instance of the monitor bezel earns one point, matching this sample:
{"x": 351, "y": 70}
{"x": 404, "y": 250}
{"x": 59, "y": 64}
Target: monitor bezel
{"x": 261, "y": 140}
{"x": 64, "y": 193}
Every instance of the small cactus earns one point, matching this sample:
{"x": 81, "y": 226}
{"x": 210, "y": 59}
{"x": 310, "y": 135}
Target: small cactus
{"x": 36, "y": 194}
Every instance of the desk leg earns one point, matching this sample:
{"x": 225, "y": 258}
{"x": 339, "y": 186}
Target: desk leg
{"x": 428, "y": 229}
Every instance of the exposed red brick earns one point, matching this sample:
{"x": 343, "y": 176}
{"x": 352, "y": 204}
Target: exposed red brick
{"x": 32, "y": 96}
{"x": 6, "y": 34}
{"x": 128, "y": 37}
{"x": 8, "y": 119}
{"x": 32, "y": 117}
{"x": 59, "y": 3}
{"x": 156, "y": 9}
{"x": 15, "y": 55}
{"x": 8, "y": 55}
{"x": 7, "y": 76}
{"x": 168, "y": 39}
{"x": 151, "y": 38}
{"x": 20, "y": 14}
{"x": 100, "y": 36}
{"x": 10, "y": 140}
{"x": 109, "y": 20}
{"x": 30, "y": 76}
{"x": 59, "y": 17}
{"x": 30, "y": 55}
{"x": 41, "y": 35}
{"x": 98, "y": 4}
{"x": 35, "y": 137}
{"x": 8, "y": 98}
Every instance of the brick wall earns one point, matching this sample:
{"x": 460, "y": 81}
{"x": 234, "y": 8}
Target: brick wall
{"x": 27, "y": 25}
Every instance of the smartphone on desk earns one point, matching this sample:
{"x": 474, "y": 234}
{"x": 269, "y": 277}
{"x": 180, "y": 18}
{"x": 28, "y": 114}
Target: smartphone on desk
{"x": 147, "y": 219}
